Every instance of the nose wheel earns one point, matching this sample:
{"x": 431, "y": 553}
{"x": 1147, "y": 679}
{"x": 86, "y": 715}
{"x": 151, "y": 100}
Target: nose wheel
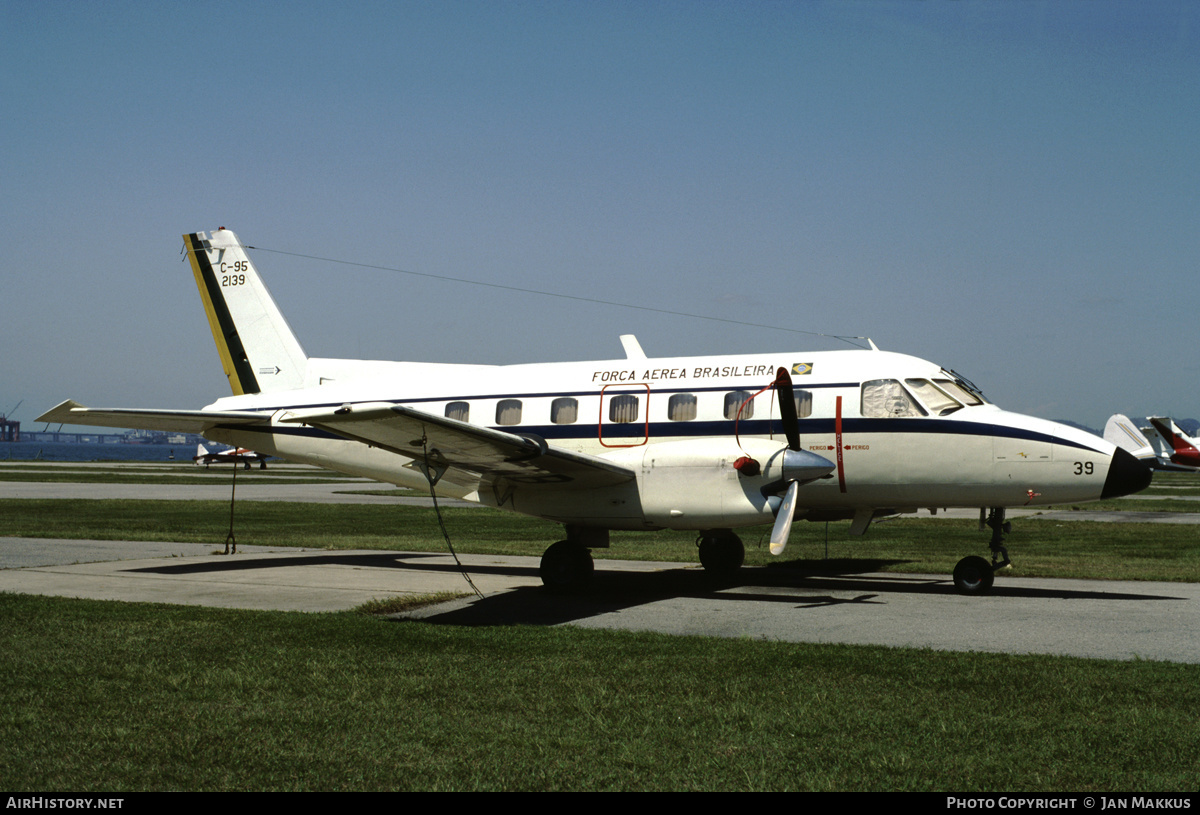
{"x": 974, "y": 575}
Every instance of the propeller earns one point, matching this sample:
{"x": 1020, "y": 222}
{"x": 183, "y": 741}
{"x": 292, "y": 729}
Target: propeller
{"x": 787, "y": 408}
{"x": 783, "y": 521}
{"x": 791, "y": 429}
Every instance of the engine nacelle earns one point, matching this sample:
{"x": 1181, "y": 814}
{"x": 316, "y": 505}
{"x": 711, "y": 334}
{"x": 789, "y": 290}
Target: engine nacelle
{"x": 694, "y": 484}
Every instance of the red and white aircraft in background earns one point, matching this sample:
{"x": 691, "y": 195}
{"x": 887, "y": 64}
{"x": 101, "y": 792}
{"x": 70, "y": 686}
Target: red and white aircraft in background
{"x": 1161, "y": 444}
{"x": 236, "y": 454}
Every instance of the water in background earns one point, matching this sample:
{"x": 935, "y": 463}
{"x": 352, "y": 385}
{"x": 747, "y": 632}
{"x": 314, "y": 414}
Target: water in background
{"x": 64, "y": 451}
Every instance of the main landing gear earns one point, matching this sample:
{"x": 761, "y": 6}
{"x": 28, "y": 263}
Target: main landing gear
{"x": 974, "y": 575}
{"x": 721, "y": 553}
{"x": 567, "y": 567}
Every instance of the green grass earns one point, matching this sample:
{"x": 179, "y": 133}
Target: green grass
{"x": 1176, "y": 479}
{"x": 402, "y": 603}
{"x": 126, "y": 697}
{"x": 1169, "y": 502}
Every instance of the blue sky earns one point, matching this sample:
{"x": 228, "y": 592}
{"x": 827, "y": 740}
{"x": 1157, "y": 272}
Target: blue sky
{"x": 1011, "y": 189}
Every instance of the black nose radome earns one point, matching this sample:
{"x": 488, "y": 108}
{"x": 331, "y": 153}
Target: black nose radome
{"x": 1125, "y": 475}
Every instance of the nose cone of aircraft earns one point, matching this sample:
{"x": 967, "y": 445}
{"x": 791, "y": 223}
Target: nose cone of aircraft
{"x": 1125, "y": 475}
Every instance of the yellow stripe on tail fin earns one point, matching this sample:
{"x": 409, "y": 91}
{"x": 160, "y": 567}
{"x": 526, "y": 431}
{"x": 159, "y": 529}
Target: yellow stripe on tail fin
{"x": 258, "y": 350}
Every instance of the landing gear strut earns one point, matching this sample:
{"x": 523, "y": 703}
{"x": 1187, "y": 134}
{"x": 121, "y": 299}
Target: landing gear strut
{"x": 1000, "y": 528}
{"x": 974, "y": 575}
{"x": 721, "y": 553}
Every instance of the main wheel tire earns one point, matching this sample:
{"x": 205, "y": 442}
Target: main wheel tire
{"x": 567, "y": 567}
{"x": 722, "y": 555}
{"x": 973, "y": 575}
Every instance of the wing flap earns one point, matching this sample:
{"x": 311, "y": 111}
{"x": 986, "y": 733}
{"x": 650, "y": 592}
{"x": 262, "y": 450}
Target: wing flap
{"x": 479, "y": 451}
{"x": 179, "y": 421}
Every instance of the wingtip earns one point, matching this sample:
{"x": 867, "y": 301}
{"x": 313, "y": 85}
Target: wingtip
{"x": 60, "y": 412}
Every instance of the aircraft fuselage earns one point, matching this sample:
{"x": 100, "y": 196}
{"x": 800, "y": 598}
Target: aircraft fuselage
{"x": 673, "y": 421}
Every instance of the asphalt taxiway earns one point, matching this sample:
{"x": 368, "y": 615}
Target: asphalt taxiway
{"x": 1100, "y": 619}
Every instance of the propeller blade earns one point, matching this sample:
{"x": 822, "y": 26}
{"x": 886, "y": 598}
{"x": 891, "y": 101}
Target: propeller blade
{"x": 783, "y": 521}
{"x": 787, "y": 407}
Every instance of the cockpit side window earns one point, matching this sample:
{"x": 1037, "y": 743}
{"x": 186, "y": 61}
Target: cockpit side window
{"x": 933, "y": 397}
{"x": 887, "y": 398}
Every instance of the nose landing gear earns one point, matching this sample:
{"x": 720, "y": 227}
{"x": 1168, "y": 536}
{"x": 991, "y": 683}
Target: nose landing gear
{"x": 974, "y": 575}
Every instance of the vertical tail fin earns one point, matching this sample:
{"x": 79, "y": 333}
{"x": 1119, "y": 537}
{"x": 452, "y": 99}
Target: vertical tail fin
{"x": 258, "y": 350}
{"x": 1124, "y": 434}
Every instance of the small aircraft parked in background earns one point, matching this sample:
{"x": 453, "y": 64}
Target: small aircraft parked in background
{"x": 1183, "y": 449}
{"x": 1161, "y": 444}
{"x": 705, "y": 443}
{"x": 236, "y": 454}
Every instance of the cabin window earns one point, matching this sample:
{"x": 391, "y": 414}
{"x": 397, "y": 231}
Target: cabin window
{"x": 734, "y": 400}
{"x": 934, "y": 398}
{"x": 508, "y": 411}
{"x": 803, "y": 404}
{"x": 564, "y": 410}
{"x": 623, "y": 408}
{"x": 458, "y": 410}
{"x": 887, "y": 398}
{"x": 682, "y": 407}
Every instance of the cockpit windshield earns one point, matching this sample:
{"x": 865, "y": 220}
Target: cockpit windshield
{"x": 939, "y": 396}
{"x": 974, "y": 395}
{"x": 935, "y": 397}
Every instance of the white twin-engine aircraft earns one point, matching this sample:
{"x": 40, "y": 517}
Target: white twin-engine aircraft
{"x": 710, "y": 444}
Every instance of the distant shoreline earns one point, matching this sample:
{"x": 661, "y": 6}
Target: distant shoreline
{"x": 91, "y": 451}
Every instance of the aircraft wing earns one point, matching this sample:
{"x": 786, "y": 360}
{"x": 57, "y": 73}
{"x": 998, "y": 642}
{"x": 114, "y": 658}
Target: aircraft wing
{"x": 179, "y": 421}
{"x": 468, "y": 454}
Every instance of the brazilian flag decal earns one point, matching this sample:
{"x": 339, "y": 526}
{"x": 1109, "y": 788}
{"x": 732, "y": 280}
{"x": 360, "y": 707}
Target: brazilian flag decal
{"x": 802, "y": 368}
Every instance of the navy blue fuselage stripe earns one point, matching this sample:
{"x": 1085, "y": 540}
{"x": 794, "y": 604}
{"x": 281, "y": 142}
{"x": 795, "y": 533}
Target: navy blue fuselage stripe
{"x": 533, "y": 395}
